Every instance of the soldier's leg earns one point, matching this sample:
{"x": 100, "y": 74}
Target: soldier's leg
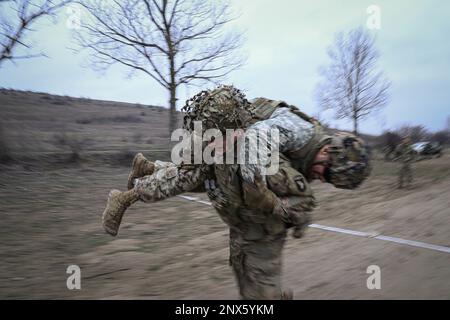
{"x": 170, "y": 180}
{"x": 167, "y": 181}
{"x": 409, "y": 173}
{"x": 401, "y": 176}
{"x": 257, "y": 266}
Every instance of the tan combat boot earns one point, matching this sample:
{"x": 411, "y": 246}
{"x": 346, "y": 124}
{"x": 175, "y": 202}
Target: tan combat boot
{"x": 116, "y": 205}
{"x": 139, "y": 168}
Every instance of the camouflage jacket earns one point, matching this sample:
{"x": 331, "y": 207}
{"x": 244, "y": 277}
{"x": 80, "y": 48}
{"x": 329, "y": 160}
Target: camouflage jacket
{"x": 300, "y": 139}
{"x": 405, "y": 153}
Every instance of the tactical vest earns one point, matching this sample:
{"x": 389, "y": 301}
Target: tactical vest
{"x": 228, "y": 199}
{"x": 264, "y": 108}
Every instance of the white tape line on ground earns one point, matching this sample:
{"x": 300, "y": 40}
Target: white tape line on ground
{"x": 357, "y": 233}
{"x": 340, "y": 230}
{"x": 414, "y": 243}
{"x": 384, "y": 238}
{"x": 205, "y": 202}
{"x": 189, "y": 198}
{"x": 196, "y": 200}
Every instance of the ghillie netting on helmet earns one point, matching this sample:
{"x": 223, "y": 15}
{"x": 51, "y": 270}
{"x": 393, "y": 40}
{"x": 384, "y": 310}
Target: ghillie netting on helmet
{"x": 225, "y": 107}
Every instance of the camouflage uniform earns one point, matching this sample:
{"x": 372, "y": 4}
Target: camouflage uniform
{"x": 169, "y": 180}
{"x": 405, "y": 155}
{"x": 257, "y": 236}
{"x": 258, "y": 210}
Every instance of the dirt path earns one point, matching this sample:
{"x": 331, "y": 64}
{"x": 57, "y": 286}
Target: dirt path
{"x": 179, "y": 249}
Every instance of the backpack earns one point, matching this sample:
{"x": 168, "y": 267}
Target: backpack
{"x": 264, "y": 108}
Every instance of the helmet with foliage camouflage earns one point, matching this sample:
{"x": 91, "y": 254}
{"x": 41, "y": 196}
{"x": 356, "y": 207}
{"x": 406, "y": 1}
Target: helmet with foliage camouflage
{"x": 349, "y": 163}
{"x": 225, "y": 107}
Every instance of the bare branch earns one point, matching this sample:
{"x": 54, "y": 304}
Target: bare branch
{"x": 14, "y": 29}
{"x": 351, "y": 86}
{"x": 173, "y": 41}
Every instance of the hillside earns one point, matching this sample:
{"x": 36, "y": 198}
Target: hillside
{"x": 40, "y": 125}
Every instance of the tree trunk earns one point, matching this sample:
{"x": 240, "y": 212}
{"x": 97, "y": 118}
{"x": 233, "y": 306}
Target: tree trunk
{"x": 355, "y": 118}
{"x": 173, "y": 109}
{"x": 355, "y": 125}
{"x": 172, "y": 91}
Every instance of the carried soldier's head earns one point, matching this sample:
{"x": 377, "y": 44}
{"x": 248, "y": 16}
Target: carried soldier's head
{"x": 225, "y": 107}
{"x": 344, "y": 161}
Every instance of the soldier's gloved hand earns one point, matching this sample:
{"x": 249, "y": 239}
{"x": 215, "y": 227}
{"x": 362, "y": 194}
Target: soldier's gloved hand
{"x": 298, "y": 215}
{"x": 258, "y": 197}
{"x": 299, "y": 231}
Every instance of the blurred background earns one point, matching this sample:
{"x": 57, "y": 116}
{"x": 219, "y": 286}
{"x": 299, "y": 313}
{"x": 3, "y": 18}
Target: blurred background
{"x": 84, "y": 85}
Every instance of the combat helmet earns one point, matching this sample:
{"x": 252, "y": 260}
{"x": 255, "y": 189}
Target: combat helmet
{"x": 224, "y": 107}
{"x": 349, "y": 163}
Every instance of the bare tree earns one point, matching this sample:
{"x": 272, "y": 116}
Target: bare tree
{"x": 16, "y": 18}
{"x": 351, "y": 85}
{"x": 387, "y": 142}
{"x": 416, "y": 133}
{"x": 442, "y": 136}
{"x": 174, "y": 42}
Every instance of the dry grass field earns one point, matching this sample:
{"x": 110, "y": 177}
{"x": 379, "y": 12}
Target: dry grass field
{"x": 62, "y": 155}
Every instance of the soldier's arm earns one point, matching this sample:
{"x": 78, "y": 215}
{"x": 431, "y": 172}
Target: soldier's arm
{"x": 263, "y": 192}
{"x": 287, "y": 195}
{"x": 283, "y": 132}
{"x": 296, "y": 197}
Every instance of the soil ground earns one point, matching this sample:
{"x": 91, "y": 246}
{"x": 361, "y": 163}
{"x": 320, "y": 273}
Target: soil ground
{"x": 177, "y": 249}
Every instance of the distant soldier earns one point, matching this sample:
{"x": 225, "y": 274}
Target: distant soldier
{"x": 405, "y": 154}
{"x": 258, "y": 209}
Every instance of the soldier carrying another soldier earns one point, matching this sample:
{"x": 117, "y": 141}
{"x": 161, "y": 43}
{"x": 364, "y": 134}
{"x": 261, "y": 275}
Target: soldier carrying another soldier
{"x": 259, "y": 209}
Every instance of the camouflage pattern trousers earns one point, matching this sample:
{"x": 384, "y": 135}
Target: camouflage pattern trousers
{"x": 168, "y": 180}
{"x": 405, "y": 174}
{"x": 255, "y": 248}
{"x": 257, "y": 266}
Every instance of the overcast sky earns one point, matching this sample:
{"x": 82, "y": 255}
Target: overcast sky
{"x": 286, "y": 42}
